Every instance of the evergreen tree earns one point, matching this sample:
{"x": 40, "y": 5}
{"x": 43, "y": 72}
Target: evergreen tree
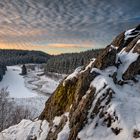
{"x": 24, "y": 70}
{"x": 67, "y": 63}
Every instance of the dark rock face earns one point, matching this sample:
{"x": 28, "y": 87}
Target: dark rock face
{"x": 119, "y": 41}
{"x": 136, "y": 134}
{"x": 71, "y": 96}
{"x": 24, "y": 70}
{"x": 106, "y": 58}
{"x": 59, "y": 102}
{"x": 133, "y": 70}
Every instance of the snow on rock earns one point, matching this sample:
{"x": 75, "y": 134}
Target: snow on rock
{"x": 90, "y": 64}
{"x": 37, "y": 129}
{"x": 113, "y": 47}
{"x": 125, "y": 103}
{"x": 73, "y": 75}
{"x": 26, "y": 130}
{"x": 128, "y": 34}
{"x": 78, "y": 70}
{"x": 138, "y": 41}
{"x": 57, "y": 120}
{"x": 125, "y": 58}
{"x": 131, "y": 33}
{"x": 64, "y": 134}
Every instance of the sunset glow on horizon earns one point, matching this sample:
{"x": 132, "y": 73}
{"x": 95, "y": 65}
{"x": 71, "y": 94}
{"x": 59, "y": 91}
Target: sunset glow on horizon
{"x": 64, "y": 26}
{"x": 50, "y": 48}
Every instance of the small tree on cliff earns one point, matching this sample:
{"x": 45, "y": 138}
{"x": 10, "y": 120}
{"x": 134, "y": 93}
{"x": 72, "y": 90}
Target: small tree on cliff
{"x": 24, "y": 70}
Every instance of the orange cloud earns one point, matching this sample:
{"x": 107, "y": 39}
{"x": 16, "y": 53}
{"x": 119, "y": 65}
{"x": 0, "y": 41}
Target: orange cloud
{"x": 50, "y": 48}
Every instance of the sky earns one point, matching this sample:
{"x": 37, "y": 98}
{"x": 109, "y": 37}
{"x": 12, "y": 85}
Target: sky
{"x": 62, "y": 26}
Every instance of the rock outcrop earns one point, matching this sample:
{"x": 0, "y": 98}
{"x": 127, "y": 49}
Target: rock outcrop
{"x": 77, "y": 95}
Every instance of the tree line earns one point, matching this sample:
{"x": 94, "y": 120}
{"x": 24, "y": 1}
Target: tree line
{"x": 67, "y": 63}
{"x": 63, "y": 63}
{"x": 14, "y": 57}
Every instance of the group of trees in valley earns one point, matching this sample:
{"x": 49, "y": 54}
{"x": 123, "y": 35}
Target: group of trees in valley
{"x": 67, "y": 63}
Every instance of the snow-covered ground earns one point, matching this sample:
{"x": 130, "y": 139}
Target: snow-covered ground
{"x": 15, "y": 83}
{"x": 41, "y": 84}
{"x": 31, "y": 90}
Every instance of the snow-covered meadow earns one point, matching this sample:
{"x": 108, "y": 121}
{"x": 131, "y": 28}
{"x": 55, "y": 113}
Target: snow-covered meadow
{"x": 30, "y": 91}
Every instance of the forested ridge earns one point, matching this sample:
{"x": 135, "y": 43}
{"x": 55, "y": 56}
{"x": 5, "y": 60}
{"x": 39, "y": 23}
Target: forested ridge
{"x": 13, "y": 57}
{"x": 63, "y": 63}
{"x": 67, "y": 63}
{"x": 10, "y": 57}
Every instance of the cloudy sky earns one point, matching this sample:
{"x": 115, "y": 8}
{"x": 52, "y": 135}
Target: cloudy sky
{"x": 59, "y": 26}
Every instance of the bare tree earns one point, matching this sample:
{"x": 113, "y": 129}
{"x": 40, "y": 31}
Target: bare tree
{"x": 10, "y": 113}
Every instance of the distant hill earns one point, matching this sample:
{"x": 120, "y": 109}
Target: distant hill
{"x": 14, "y": 57}
{"x": 66, "y": 63}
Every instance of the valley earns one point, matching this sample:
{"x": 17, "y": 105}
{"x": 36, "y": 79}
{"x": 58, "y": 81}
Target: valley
{"x": 32, "y": 90}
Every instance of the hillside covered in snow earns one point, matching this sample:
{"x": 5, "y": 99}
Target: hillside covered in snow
{"x": 100, "y": 101}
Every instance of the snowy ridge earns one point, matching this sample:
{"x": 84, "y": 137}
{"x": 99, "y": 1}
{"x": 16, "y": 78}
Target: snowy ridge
{"x": 36, "y": 129}
{"x": 78, "y": 71}
{"x": 124, "y": 109}
{"x": 126, "y": 58}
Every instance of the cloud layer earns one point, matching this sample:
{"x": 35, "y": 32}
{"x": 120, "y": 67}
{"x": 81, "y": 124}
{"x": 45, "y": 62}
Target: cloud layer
{"x": 65, "y": 21}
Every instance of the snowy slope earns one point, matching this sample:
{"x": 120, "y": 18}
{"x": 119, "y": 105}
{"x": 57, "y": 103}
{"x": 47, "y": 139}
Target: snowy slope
{"x": 124, "y": 107}
{"x": 27, "y": 130}
{"x": 41, "y": 84}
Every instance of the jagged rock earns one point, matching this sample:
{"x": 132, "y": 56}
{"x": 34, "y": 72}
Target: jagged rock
{"x": 106, "y": 58}
{"x": 79, "y": 106}
{"x": 132, "y": 70}
{"x": 116, "y": 130}
{"x": 73, "y": 97}
{"x": 119, "y": 41}
{"x": 136, "y": 133}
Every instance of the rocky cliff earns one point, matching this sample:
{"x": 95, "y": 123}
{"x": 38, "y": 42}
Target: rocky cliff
{"x": 100, "y": 101}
